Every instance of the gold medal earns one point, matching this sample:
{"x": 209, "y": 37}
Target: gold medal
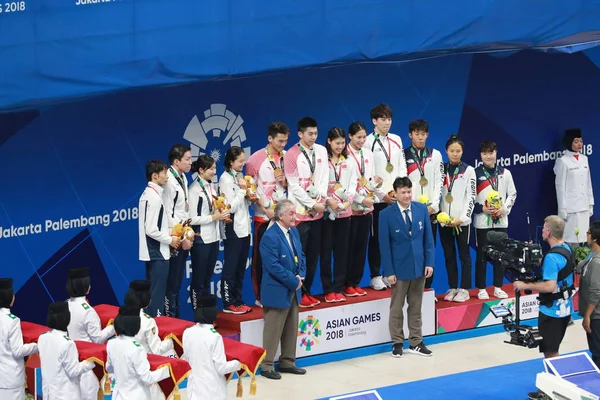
{"x": 449, "y": 198}
{"x": 363, "y": 181}
{"x": 389, "y": 167}
{"x": 423, "y": 181}
{"x": 277, "y": 172}
{"x": 337, "y": 186}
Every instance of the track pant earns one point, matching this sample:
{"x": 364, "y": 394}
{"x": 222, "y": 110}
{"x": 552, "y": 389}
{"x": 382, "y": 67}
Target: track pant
{"x": 481, "y": 262}
{"x": 310, "y": 237}
{"x": 448, "y": 239}
{"x": 260, "y": 228}
{"x": 234, "y": 268}
{"x": 174, "y": 281}
{"x": 157, "y": 272}
{"x": 204, "y": 258}
{"x": 374, "y": 255}
{"x": 336, "y": 235}
{"x": 360, "y": 228}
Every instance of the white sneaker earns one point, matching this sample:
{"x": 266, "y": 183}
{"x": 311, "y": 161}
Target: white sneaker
{"x": 500, "y": 294}
{"x": 450, "y": 294}
{"x": 483, "y": 295}
{"x": 377, "y": 283}
{"x": 386, "y": 282}
{"x": 462, "y": 295}
{"x": 258, "y": 303}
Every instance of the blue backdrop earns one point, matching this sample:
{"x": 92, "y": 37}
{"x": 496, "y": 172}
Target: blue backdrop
{"x": 84, "y": 161}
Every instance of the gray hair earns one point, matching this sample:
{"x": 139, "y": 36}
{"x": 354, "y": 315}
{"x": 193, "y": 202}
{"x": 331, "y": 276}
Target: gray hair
{"x": 280, "y": 208}
{"x": 556, "y": 225}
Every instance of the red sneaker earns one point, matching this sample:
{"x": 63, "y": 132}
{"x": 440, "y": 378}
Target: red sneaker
{"x": 244, "y": 308}
{"x": 359, "y": 291}
{"x": 330, "y": 298}
{"x": 234, "y": 310}
{"x": 349, "y": 291}
{"x": 314, "y": 301}
{"x": 306, "y": 302}
{"x": 340, "y": 297}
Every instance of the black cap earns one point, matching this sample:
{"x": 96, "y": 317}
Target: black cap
{"x": 6, "y": 283}
{"x": 140, "y": 286}
{"x": 206, "y": 301}
{"x": 126, "y": 311}
{"x": 58, "y": 307}
{"x": 570, "y": 135}
{"x": 78, "y": 273}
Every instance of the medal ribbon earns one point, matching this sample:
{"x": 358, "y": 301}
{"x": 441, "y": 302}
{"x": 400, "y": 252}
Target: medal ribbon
{"x": 454, "y": 175}
{"x": 180, "y": 181}
{"x": 272, "y": 161}
{"x": 493, "y": 180}
{"x": 314, "y": 160}
{"x": 361, "y": 165}
{"x": 420, "y": 160}
{"x": 336, "y": 174}
{"x": 209, "y": 199}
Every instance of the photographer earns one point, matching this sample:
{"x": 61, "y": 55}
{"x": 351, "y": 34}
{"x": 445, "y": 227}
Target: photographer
{"x": 589, "y": 292}
{"x": 555, "y": 290}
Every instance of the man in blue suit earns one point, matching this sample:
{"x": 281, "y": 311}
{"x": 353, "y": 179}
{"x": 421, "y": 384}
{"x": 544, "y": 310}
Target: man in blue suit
{"x": 407, "y": 254}
{"x": 284, "y": 268}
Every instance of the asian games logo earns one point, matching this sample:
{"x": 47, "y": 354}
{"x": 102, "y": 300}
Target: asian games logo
{"x": 219, "y": 129}
{"x": 309, "y": 330}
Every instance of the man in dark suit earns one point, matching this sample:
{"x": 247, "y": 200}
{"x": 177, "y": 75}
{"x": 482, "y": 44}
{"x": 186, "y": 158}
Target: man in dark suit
{"x": 407, "y": 255}
{"x": 284, "y": 268}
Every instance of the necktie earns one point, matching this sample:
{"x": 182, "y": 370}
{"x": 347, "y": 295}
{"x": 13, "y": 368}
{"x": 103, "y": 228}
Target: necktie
{"x": 408, "y": 222}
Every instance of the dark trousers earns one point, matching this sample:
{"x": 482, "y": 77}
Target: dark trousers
{"x": 310, "y": 237}
{"x": 157, "y": 272}
{"x": 257, "y": 271}
{"x": 234, "y": 268}
{"x": 336, "y": 235}
{"x": 174, "y": 281}
{"x": 593, "y": 340}
{"x": 481, "y": 262}
{"x": 360, "y": 228}
{"x": 374, "y": 255}
{"x": 204, "y": 258}
{"x": 434, "y": 226}
{"x": 461, "y": 239}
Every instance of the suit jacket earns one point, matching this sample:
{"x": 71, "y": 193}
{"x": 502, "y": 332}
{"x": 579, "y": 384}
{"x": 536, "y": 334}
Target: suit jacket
{"x": 404, "y": 255}
{"x": 279, "y": 279}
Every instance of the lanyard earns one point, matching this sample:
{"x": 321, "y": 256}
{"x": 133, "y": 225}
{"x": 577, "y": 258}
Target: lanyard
{"x": 154, "y": 190}
{"x": 209, "y": 199}
{"x": 388, "y": 153}
{"x": 337, "y": 173}
{"x": 314, "y": 161}
{"x": 180, "y": 181}
{"x": 420, "y": 160}
{"x": 272, "y": 161}
{"x": 361, "y": 165}
{"x": 493, "y": 180}
{"x": 454, "y": 175}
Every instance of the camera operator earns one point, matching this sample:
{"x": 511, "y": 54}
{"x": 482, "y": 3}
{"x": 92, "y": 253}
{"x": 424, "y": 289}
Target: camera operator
{"x": 555, "y": 290}
{"x": 589, "y": 292}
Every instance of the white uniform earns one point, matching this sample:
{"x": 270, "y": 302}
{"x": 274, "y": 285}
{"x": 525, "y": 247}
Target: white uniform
{"x": 204, "y": 351}
{"x": 432, "y": 166}
{"x": 240, "y": 205}
{"x": 388, "y": 146}
{"x": 128, "y": 362}
{"x": 61, "y": 369}
{"x": 149, "y": 339}
{"x": 574, "y": 195}
{"x": 12, "y": 354}
{"x": 463, "y": 193}
{"x": 85, "y": 326}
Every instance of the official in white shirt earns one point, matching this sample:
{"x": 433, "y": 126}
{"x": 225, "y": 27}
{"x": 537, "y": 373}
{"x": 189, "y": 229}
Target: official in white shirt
{"x": 138, "y": 296}
{"x": 388, "y": 154}
{"x": 155, "y": 236}
{"x": 59, "y": 359}
{"x": 12, "y": 349}
{"x": 204, "y": 351}
{"x": 85, "y": 324}
{"x": 176, "y": 201}
{"x": 574, "y": 193}
{"x": 128, "y": 361}
{"x": 236, "y": 243}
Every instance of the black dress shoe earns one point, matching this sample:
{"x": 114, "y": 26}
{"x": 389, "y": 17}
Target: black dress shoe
{"x": 292, "y": 370}
{"x": 271, "y": 374}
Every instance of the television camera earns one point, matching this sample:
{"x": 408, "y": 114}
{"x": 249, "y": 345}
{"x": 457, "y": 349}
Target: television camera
{"x": 520, "y": 261}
